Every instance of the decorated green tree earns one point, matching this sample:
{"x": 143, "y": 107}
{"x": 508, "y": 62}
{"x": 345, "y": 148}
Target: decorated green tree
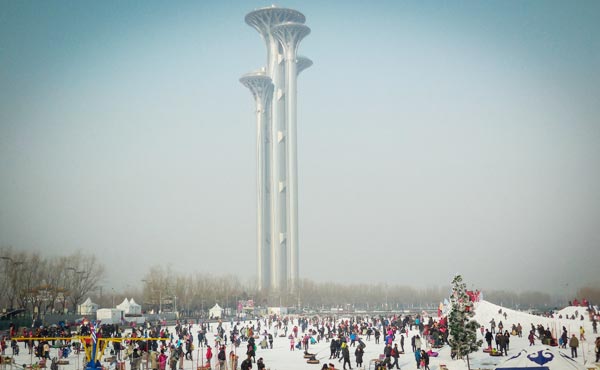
{"x": 463, "y": 330}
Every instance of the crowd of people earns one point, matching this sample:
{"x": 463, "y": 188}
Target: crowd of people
{"x": 154, "y": 346}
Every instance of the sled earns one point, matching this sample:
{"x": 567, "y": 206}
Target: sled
{"x": 377, "y": 364}
{"x": 315, "y": 361}
{"x": 308, "y": 355}
{"x": 487, "y": 350}
{"x": 432, "y": 354}
{"x": 497, "y": 353}
{"x": 62, "y": 362}
{"x": 313, "y": 340}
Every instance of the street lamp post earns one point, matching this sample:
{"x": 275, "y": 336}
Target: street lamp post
{"x": 11, "y": 276}
{"x": 76, "y": 284}
{"x": 153, "y": 294}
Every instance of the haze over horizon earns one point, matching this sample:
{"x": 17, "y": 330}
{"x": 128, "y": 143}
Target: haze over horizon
{"x": 433, "y": 138}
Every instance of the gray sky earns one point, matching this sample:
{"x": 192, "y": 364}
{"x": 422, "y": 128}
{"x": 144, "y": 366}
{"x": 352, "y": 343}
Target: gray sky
{"x": 434, "y": 138}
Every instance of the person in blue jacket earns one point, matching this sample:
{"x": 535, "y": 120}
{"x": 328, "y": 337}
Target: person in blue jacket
{"x": 418, "y": 358}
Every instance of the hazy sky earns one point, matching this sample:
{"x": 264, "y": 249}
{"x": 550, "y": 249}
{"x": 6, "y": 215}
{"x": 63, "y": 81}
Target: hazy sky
{"x": 434, "y": 138}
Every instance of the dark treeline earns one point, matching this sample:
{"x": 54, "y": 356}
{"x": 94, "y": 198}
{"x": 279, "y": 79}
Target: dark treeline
{"x": 58, "y": 284}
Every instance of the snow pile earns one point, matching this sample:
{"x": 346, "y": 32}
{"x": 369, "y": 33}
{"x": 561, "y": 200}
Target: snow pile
{"x": 576, "y": 311}
{"x": 486, "y": 311}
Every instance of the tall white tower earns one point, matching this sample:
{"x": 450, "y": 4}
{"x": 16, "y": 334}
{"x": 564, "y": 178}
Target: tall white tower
{"x": 262, "y": 89}
{"x": 282, "y": 30}
{"x": 289, "y": 35}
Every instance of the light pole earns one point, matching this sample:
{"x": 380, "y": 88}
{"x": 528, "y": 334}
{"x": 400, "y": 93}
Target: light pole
{"x": 146, "y": 285}
{"x": 153, "y": 291}
{"x": 76, "y": 287}
{"x": 11, "y": 277}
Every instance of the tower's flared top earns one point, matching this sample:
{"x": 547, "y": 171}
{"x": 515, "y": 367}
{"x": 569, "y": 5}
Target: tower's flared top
{"x": 259, "y": 84}
{"x": 302, "y": 63}
{"x": 290, "y": 34}
{"x": 264, "y": 18}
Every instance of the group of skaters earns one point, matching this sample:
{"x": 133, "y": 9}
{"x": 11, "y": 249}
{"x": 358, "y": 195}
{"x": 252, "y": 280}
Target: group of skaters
{"x": 394, "y": 331}
{"x": 342, "y": 335}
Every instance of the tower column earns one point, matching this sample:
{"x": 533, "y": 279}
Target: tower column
{"x": 289, "y": 35}
{"x": 262, "y": 89}
{"x": 278, "y": 168}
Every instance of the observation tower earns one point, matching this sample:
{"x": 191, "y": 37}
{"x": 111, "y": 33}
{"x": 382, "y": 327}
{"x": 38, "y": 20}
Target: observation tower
{"x": 261, "y": 87}
{"x": 277, "y": 155}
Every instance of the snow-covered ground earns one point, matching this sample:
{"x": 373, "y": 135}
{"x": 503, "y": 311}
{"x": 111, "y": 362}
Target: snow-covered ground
{"x": 281, "y": 358}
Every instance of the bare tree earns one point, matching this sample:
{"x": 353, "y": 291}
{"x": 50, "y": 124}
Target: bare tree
{"x": 84, "y": 277}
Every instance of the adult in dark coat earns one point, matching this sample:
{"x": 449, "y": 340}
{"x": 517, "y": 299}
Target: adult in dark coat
{"x": 346, "y": 356}
{"x": 359, "y": 356}
{"x": 395, "y": 354}
{"x": 488, "y": 338}
{"x": 333, "y": 348}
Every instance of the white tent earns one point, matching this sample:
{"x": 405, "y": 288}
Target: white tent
{"x": 87, "y": 308}
{"x": 540, "y": 357}
{"x": 124, "y": 306}
{"x": 216, "y": 311}
{"x": 134, "y": 308}
{"x": 129, "y": 307}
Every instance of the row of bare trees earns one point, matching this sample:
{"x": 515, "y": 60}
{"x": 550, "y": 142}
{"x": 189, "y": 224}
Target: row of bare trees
{"x": 166, "y": 290}
{"x": 195, "y": 292}
{"x": 55, "y": 284}
{"x": 45, "y": 285}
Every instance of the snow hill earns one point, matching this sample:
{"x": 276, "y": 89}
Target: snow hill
{"x": 485, "y": 311}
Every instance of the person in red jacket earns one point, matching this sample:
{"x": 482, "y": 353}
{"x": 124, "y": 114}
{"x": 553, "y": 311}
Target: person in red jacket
{"x": 209, "y": 354}
{"x": 162, "y": 360}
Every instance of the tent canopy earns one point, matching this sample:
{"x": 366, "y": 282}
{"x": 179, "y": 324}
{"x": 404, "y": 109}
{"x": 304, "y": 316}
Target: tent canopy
{"x": 124, "y": 305}
{"x": 88, "y": 303}
{"x": 216, "y": 311}
{"x": 134, "y": 308}
{"x": 87, "y": 308}
{"x": 540, "y": 357}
